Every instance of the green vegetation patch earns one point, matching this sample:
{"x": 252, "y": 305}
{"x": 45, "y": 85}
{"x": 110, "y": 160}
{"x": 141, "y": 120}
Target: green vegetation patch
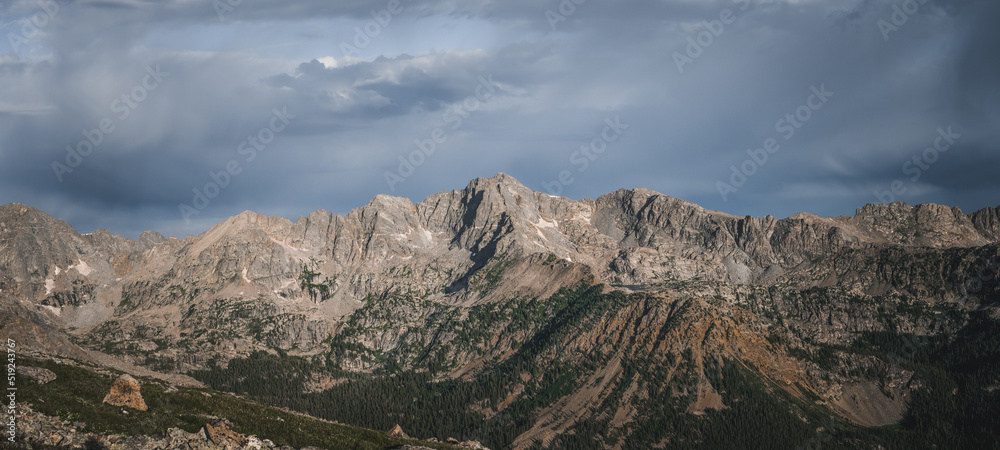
{"x": 77, "y": 396}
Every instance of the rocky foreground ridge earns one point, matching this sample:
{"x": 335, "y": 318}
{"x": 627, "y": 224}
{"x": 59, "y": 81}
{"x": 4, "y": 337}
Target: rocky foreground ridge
{"x": 444, "y": 287}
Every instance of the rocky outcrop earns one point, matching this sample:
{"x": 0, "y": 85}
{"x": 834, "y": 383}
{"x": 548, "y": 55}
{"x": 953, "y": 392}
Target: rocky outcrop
{"x": 987, "y": 222}
{"x": 33, "y": 330}
{"x": 924, "y": 225}
{"x": 37, "y": 374}
{"x": 46, "y": 261}
{"x": 221, "y": 434}
{"x": 397, "y": 432}
{"x": 37, "y": 430}
{"x": 126, "y": 392}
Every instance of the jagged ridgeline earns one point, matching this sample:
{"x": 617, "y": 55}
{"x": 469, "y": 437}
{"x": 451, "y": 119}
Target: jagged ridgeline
{"x": 520, "y": 319}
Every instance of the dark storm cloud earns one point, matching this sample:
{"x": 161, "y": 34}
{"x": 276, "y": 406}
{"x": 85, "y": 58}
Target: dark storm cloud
{"x": 561, "y": 71}
{"x": 393, "y": 86}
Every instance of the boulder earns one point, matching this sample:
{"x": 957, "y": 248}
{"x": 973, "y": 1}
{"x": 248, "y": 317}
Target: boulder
{"x": 126, "y": 392}
{"x": 222, "y": 435}
{"x": 397, "y": 432}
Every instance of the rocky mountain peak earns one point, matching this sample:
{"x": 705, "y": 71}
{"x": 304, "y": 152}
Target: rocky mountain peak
{"x": 151, "y": 237}
{"x": 987, "y": 221}
{"x": 383, "y": 201}
{"x": 928, "y": 225}
{"x": 501, "y": 194}
{"x": 13, "y": 208}
{"x": 17, "y": 217}
{"x": 500, "y": 179}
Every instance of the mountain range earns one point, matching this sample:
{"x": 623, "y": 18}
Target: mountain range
{"x": 519, "y": 319}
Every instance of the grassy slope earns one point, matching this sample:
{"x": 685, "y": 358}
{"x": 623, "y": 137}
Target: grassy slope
{"x": 77, "y": 394}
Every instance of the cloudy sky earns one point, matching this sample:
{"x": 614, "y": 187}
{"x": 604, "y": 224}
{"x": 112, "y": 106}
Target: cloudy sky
{"x": 175, "y": 114}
